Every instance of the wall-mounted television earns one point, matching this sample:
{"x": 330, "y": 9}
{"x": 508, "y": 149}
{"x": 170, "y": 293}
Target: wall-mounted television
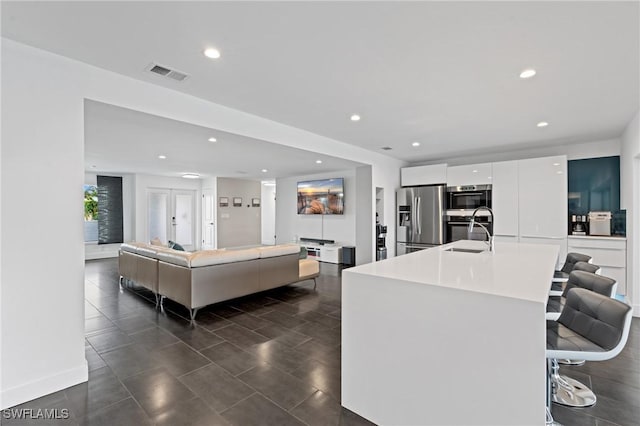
{"x": 324, "y": 196}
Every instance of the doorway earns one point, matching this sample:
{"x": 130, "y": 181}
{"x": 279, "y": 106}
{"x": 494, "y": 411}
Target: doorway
{"x": 171, "y": 216}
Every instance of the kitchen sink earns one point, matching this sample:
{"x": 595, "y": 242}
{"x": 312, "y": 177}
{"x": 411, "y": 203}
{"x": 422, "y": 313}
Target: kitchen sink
{"x": 465, "y": 250}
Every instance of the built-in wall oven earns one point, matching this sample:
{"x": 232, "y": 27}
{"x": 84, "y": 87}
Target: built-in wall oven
{"x": 461, "y": 202}
{"x": 458, "y": 227}
{"x": 468, "y": 197}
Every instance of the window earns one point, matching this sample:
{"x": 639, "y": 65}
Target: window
{"x": 90, "y": 214}
{"x": 103, "y": 218}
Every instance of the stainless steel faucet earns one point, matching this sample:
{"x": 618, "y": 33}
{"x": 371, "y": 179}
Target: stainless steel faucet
{"x": 473, "y": 222}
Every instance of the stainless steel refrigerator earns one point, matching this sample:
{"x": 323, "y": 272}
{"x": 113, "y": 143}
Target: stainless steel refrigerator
{"x": 420, "y": 218}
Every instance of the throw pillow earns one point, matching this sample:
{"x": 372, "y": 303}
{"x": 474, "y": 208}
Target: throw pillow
{"x": 156, "y": 242}
{"x": 175, "y": 246}
{"x": 303, "y": 253}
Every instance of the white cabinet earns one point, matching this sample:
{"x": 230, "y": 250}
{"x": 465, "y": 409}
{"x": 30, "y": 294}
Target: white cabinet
{"x": 470, "y": 174}
{"x": 423, "y": 175}
{"x": 504, "y": 200}
{"x": 542, "y": 202}
{"x": 542, "y": 194}
{"x": 610, "y": 253}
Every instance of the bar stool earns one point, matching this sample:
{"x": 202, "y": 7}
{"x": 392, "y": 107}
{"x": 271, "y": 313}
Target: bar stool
{"x": 591, "y": 327}
{"x": 582, "y": 279}
{"x": 558, "y": 287}
{"x": 572, "y": 258}
{"x": 557, "y": 284}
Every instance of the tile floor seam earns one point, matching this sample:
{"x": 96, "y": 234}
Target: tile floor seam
{"x": 107, "y": 406}
{"x": 243, "y": 399}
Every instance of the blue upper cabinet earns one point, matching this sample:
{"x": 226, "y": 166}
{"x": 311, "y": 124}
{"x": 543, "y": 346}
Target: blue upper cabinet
{"x": 594, "y": 185}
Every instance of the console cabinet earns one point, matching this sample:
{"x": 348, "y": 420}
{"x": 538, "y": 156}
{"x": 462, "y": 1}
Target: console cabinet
{"x": 330, "y": 253}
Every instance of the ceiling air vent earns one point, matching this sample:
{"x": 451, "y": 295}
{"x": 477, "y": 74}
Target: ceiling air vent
{"x": 386, "y": 148}
{"x": 167, "y": 72}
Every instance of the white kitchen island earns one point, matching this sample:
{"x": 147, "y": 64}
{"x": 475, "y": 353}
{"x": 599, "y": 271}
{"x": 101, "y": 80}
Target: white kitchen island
{"x": 448, "y": 338}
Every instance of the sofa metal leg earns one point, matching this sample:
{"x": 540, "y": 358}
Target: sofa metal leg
{"x": 157, "y": 300}
{"x": 192, "y": 313}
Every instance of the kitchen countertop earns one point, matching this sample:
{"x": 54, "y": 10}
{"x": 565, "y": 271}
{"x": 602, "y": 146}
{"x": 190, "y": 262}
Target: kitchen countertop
{"x": 509, "y": 271}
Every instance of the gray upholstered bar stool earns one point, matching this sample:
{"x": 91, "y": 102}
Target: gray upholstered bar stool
{"x": 574, "y": 260}
{"x": 582, "y": 279}
{"x": 591, "y": 327}
{"x": 602, "y": 285}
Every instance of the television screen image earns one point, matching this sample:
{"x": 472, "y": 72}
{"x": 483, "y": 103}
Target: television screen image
{"x": 324, "y": 196}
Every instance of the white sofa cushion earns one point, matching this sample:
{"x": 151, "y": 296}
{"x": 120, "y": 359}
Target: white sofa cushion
{"x": 131, "y": 247}
{"x": 216, "y": 257}
{"x": 308, "y": 268}
{"x": 177, "y": 257}
{"x": 278, "y": 250}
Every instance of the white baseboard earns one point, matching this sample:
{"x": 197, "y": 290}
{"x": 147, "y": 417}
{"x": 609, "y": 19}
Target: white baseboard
{"x": 44, "y": 386}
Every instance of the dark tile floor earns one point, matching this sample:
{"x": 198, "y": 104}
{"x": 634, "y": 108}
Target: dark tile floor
{"x": 267, "y": 359}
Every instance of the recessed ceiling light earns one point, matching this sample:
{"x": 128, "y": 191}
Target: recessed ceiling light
{"x": 264, "y": 170}
{"x": 318, "y": 161}
{"x": 528, "y": 73}
{"x": 191, "y": 176}
{"x": 268, "y": 183}
{"x": 556, "y": 164}
{"x": 162, "y": 157}
{"x": 542, "y": 124}
{"x": 213, "y": 140}
{"x": 355, "y": 117}
{"x": 474, "y": 171}
{"x": 212, "y": 53}
{"x": 415, "y": 144}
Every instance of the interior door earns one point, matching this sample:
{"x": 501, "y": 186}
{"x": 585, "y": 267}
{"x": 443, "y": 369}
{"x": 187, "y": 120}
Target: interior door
{"x": 158, "y": 205}
{"x": 171, "y": 216}
{"x": 208, "y": 216}
{"x": 183, "y": 218}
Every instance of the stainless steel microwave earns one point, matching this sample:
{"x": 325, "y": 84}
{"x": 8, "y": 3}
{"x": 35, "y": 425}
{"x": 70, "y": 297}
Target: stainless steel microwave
{"x": 468, "y": 197}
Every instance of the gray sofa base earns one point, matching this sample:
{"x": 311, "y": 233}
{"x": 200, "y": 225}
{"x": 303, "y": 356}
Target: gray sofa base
{"x": 196, "y": 287}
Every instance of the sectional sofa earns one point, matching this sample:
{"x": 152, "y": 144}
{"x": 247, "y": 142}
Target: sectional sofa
{"x": 197, "y": 279}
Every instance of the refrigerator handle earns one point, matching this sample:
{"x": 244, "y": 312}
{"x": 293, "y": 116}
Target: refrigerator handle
{"x": 413, "y": 215}
{"x": 419, "y": 224}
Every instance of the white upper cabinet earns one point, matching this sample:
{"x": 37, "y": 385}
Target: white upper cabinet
{"x": 423, "y": 175}
{"x": 504, "y": 199}
{"x": 471, "y": 174}
{"x": 542, "y": 184}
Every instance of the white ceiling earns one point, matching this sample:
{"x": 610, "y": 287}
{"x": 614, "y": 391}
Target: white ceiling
{"x": 122, "y": 140}
{"x": 441, "y": 73}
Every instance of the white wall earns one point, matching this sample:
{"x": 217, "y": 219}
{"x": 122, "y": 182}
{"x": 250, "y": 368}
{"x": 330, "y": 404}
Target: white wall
{"x": 365, "y": 223}
{"x": 42, "y": 135}
{"x": 630, "y": 200}
{"x": 238, "y": 226}
{"x": 42, "y": 324}
{"x": 290, "y": 226}
{"x": 101, "y": 251}
{"x": 268, "y": 214}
